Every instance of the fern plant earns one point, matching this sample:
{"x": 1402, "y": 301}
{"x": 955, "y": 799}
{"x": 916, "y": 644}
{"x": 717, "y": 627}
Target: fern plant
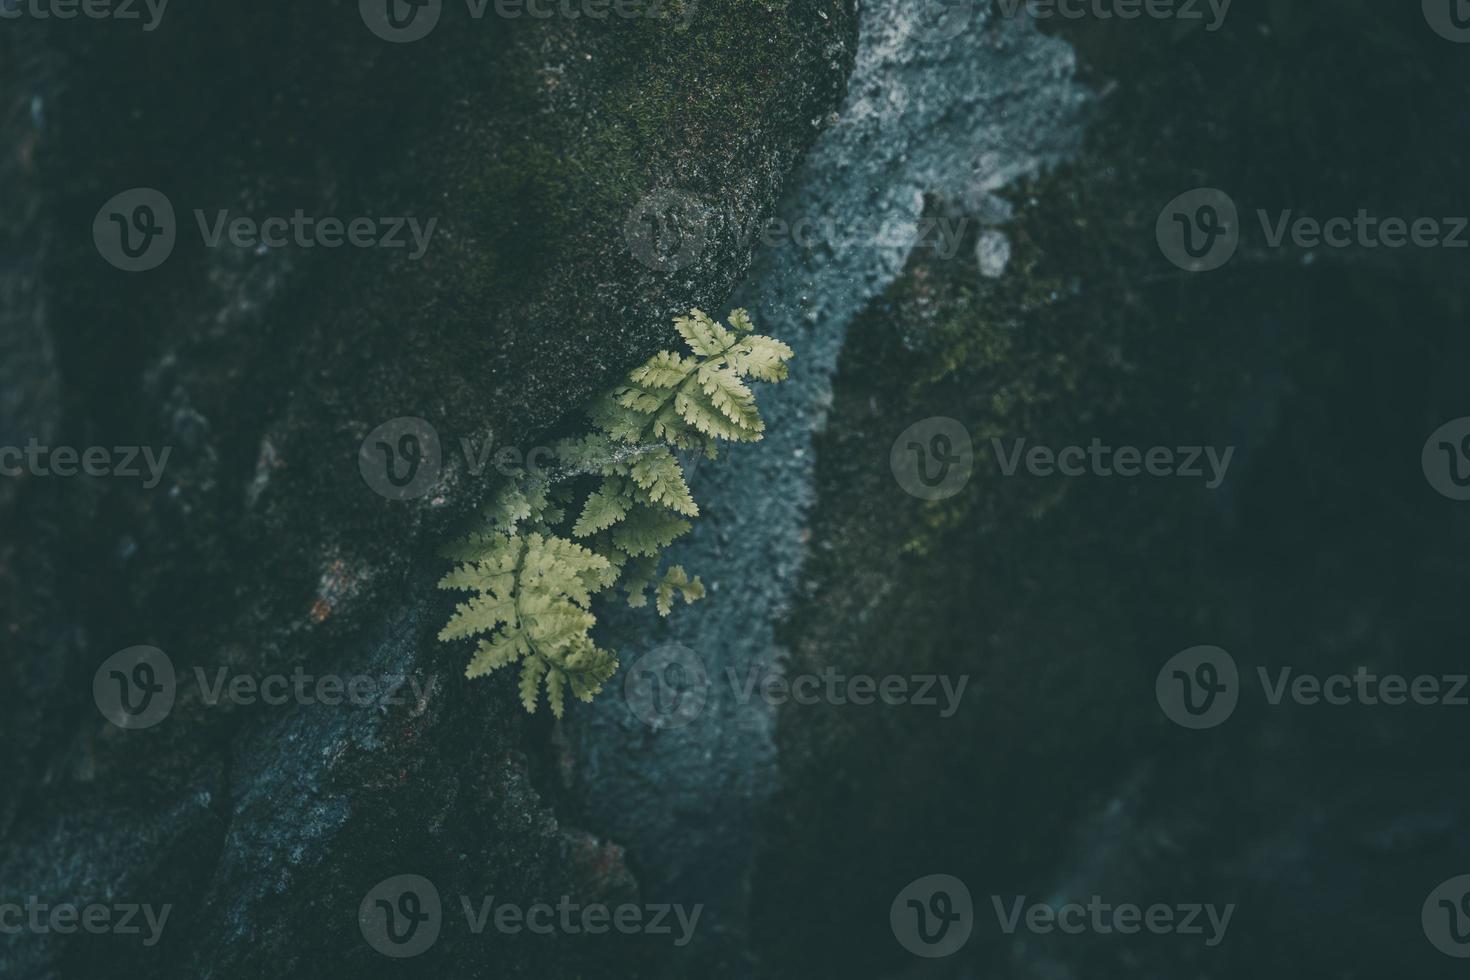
{"x": 603, "y": 513}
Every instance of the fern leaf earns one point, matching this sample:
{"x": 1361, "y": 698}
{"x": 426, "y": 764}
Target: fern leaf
{"x": 511, "y": 506}
{"x": 558, "y": 627}
{"x": 482, "y": 614}
{"x": 637, "y": 576}
{"x": 531, "y": 585}
{"x": 556, "y": 691}
{"x": 730, "y": 396}
{"x": 677, "y": 581}
{"x": 647, "y": 530}
{"x": 740, "y": 320}
{"x": 704, "y": 336}
{"x": 760, "y": 358}
{"x": 532, "y": 669}
{"x": 664, "y": 370}
{"x": 617, "y": 421}
{"x": 659, "y": 475}
{"x": 481, "y": 546}
{"x": 639, "y": 399}
{"x": 496, "y": 652}
{"x": 482, "y": 576}
{"x": 696, "y": 409}
{"x": 582, "y": 455}
{"x": 603, "y": 509}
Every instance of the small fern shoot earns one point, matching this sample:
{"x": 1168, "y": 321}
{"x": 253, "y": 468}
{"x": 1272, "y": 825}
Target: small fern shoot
{"x": 603, "y": 514}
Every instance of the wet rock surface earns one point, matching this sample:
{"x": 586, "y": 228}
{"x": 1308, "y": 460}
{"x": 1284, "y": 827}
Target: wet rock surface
{"x": 970, "y": 205}
{"x": 262, "y": 550}
{"x": 1324, "y": 548}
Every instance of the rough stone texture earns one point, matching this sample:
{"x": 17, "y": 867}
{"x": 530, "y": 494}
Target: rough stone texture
{"x": 1057, "y": 319}
{"x": 1061, "y": 598}
{"x": 263, "y": 550}
{"x": 924, "y": 115}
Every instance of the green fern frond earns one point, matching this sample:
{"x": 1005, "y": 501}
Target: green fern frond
{"x": 532, "y": 585}
{"x": 677, "y": 580}
{"x": 666, "y": 370}
{"x": 603, "y": 509}
{"x": 661, "y": 477}
{"x": 637, "y": 577}
{"x": 760, "y": 359}
{"x": 704, "y": 336}
{"x": 730, "y": 396}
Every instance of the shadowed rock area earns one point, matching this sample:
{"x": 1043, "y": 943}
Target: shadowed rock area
{"x": 262, "y": 550}
{"x": 979, "y": 197}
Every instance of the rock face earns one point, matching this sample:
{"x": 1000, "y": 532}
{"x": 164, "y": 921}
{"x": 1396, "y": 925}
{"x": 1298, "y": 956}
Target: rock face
{"x": 923, "y": 116}
{"x": 1323, "y": 550}
{"x": 534, "y": 145}
{"x": 968, "y": 207}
